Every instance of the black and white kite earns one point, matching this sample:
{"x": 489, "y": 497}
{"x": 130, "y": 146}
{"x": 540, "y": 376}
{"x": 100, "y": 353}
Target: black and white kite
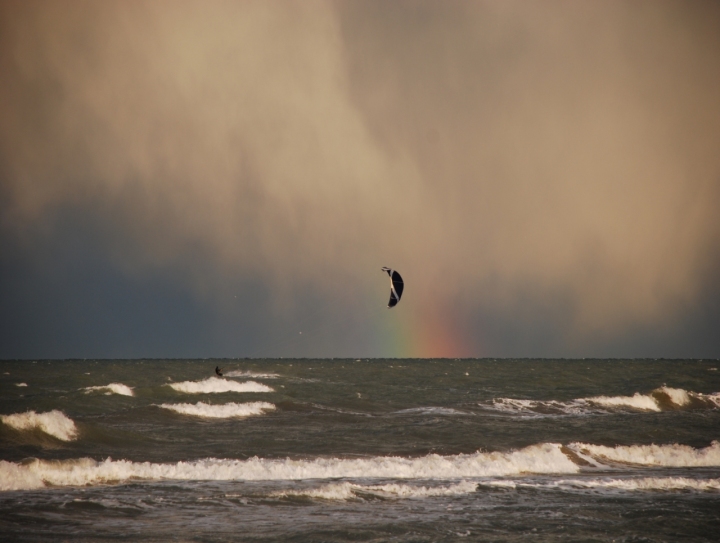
{"x": 396, "y": 286}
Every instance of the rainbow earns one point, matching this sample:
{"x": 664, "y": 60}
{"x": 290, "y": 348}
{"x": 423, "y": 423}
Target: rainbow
{"x": 428, "y": 332}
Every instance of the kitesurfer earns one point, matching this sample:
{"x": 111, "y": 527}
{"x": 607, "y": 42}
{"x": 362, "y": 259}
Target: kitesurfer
{"x": 218, "y": 371}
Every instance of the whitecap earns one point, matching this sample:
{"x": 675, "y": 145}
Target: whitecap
{"x": 112, "y": 388}
{"x": 224, "y": 411}
{"x": 250, "y": 374}
{"x": 636, "y": 401}
{"x": 677, "y": 396}
{"x": 54, "y": 423}
{"x": 20, "y": 384}
{"x": 215, "y": 385}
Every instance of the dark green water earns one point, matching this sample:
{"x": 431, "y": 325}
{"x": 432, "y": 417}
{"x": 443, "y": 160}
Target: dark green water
{"x": 360, "y": 450}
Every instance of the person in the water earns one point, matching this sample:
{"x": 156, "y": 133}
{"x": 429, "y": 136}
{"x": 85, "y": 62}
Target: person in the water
{"x": 218, "y": 371}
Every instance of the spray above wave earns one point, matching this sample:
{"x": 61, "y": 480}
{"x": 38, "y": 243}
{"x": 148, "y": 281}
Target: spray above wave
{"x": 112, "y": 388}
{"x": 225, "y": 411}
{"x": 349, "y": 491}
{"x": 540, "y": 459}
{"x": 213, "y": 385}
{"x": 660, "y": 399}
{"x": 54, "y": 423}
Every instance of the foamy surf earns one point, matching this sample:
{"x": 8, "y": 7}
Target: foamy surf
{"x": 112, "y": 388}
{"x": 660, "y": 399}
{"x": 224, "y": 411}
{"x": 432, "y": 411}
{"x": 54, "y": 423}
{"x": 349, "y": 491}
{"x": 676, "y": 456}
{"x": 545, "y": 458}
{"x": 213, "y": 385}
{"x": 659, "y": 484}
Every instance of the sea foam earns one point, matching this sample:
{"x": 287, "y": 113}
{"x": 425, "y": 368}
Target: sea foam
{"x": 348, "y": 491}
{"x": 653, "y": 455}
{"x": 432, "y": 411}
{"x": 215, "y": 385}
{"x": 225, "y": 411}
{"x": 540, "y": 459}
{"x": 112, "y": 388}
{"x": 54, "y": 423}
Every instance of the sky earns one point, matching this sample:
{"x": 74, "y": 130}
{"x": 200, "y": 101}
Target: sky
{"x": 226, "y": 179}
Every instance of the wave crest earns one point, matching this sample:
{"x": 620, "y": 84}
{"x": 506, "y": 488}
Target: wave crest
{"x": 213, "y": 385}
{"x": 225, "y": 411}
{"x": 54, "y": 423}
{"x": 675, "y": 456}
{"x": 112, "y": 388}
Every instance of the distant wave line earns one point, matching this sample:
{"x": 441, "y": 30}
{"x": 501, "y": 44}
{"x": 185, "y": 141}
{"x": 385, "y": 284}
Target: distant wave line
{"x": 661, "y": 399}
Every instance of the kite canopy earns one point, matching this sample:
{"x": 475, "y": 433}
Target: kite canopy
{"x": 396, "y": 286}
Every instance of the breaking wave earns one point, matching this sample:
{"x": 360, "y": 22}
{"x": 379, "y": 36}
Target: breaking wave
{"x": 215, "y": 385}
{"x": 675, "y": 456}
{"x": 112, "y": 388}
{"x": 54, "y": 423}
{"x": 225, "y": 411}
{"x": 540, "y": 459}
{"x": 349, "y": 491}
{"x": 660, "y": 399}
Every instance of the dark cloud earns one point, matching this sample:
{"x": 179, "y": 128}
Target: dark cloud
{"x": 545, "y": 175}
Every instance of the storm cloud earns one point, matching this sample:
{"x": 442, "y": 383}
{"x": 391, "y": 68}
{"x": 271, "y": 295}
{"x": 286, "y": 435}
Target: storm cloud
{"x": 545, "y": 175}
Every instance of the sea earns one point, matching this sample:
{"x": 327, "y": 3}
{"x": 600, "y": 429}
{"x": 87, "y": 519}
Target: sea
{"x": 353, "y": 450}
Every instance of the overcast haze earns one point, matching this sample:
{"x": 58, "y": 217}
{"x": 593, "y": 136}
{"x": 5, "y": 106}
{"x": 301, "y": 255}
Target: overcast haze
{"x": 204, "y": 179}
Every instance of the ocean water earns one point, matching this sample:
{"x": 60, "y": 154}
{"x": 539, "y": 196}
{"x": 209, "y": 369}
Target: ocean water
{"x": 360, "y": 450}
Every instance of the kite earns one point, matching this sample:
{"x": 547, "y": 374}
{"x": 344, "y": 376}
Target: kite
{"x": 396, "y": 286}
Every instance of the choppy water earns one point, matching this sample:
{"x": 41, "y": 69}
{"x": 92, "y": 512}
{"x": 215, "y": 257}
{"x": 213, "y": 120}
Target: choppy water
{"x": 360, "y": 450}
